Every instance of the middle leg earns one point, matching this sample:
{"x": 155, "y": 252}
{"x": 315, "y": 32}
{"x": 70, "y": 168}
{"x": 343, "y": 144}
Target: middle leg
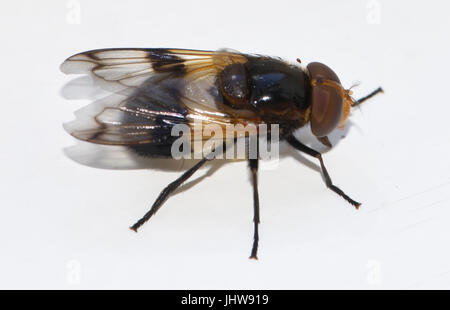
{"x": 253, "y": 164}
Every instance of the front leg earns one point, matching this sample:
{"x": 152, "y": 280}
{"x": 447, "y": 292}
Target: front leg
{"x": 305, "y": 149}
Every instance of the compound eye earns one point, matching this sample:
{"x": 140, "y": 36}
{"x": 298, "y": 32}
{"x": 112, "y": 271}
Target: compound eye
{"x": 326, "y": 101}
{"x": 326, "y": 110}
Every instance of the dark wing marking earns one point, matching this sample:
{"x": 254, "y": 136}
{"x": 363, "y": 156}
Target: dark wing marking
{"x": 155, "y": 89}
{"x": 126, "y": 120}
{"x": 129, "y": 67}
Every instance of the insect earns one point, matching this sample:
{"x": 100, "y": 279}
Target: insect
{"x": 163, "y": 88}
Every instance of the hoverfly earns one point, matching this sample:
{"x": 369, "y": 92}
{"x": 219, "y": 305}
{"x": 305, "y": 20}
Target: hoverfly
{"x": 163, "y": 88}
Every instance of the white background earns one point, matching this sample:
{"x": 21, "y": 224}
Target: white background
{"x": 65, "y": 225}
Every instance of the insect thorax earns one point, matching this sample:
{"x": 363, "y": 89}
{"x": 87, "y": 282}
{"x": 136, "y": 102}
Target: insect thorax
{"x": 276, "y": 91}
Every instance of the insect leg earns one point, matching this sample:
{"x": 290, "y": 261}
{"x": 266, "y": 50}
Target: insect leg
{"x": 253, "y": 164}
{"x": 303, "y": 148}
{"x": 167, "y": 191}
{"x": 361, "y": 100}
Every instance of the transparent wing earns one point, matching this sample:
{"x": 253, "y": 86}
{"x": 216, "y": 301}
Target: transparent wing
{"x": 130, "y": 67}
{"x": 154, "y": 90}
